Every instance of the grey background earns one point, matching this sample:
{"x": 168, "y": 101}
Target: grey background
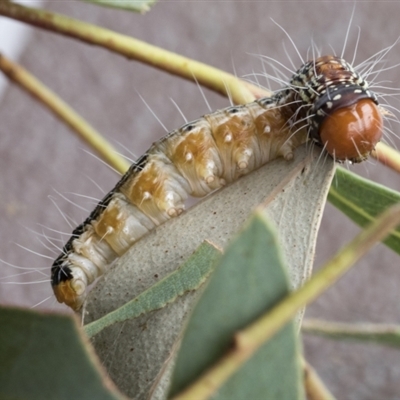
{"x": 39, "y": 155}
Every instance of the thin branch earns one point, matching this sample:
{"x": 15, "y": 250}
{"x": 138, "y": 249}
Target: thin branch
{"x": 387, "y": 156}
{"x": 64, "y": 112}
{"x": 313, "y": 384}
{"x": 387, "y": 335}
{"x": 213, "y": 78}
{"x": 250, "y": 339}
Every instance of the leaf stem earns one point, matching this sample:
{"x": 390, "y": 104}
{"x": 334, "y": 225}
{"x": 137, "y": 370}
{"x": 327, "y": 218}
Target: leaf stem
{"x": 250, "y": 339}
{"x": 141, "y": 6}
{"x": 210, "y": 77}
{"x": 314, "y": 386}
{"x": 213, "y": 78}
{"x": 387, "y": 156}
{"x": 64, "y": 112}
{"x": 387, "y": 335}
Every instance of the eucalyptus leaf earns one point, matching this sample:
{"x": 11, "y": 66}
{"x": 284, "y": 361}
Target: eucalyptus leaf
{"x": 250, "y": 279}
{"x": 140, "y": 6}
{"x": 45, "y": 356}
{"x": 363, "y": 200}
{"x": 190, "y": 276}
{"x": 139, "y": 353}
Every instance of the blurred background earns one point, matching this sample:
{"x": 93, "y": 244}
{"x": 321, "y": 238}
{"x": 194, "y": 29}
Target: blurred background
{"x": 39, "y": 156}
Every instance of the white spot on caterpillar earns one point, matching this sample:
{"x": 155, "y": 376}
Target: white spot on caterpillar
{"x": 228, "y": 138}
{"x": 147, "y": 195}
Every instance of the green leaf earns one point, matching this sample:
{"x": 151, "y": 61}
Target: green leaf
{"x": 190, "y": 276}
{"x": 138, "y": 353}
{"x": 141, "y": 6}
{"x": 45, "y": 357}
{"x": 363, "y": 200}
{"x": 249, "y": 280}
{"x": 386, "y": 335}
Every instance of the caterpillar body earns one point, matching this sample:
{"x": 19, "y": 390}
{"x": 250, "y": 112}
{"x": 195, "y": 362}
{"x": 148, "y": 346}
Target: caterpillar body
{"x": 326, "y": 101}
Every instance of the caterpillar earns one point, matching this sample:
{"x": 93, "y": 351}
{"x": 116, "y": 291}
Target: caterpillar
{"x": 326, "y": 101}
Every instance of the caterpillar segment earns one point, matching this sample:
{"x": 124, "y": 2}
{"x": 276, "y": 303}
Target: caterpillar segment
{"x": 326, "y": 100}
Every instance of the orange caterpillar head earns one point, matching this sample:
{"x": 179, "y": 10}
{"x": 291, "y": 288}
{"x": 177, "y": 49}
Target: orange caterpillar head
{"x": 351, "y": 127}
{"x": 352, "y": 132}
{"x": 343, "y": 114}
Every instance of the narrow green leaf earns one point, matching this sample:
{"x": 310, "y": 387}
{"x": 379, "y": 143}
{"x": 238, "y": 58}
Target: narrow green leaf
{"x": 363, "y": 200}
{"x": 249, "y": 280}
{"x": 140, "y": 6}
{"x": 387, "y": 335}
{"x": 190, "y": 276}
{"x": 45, "y": 357}
{"x": 138, "y": 353}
